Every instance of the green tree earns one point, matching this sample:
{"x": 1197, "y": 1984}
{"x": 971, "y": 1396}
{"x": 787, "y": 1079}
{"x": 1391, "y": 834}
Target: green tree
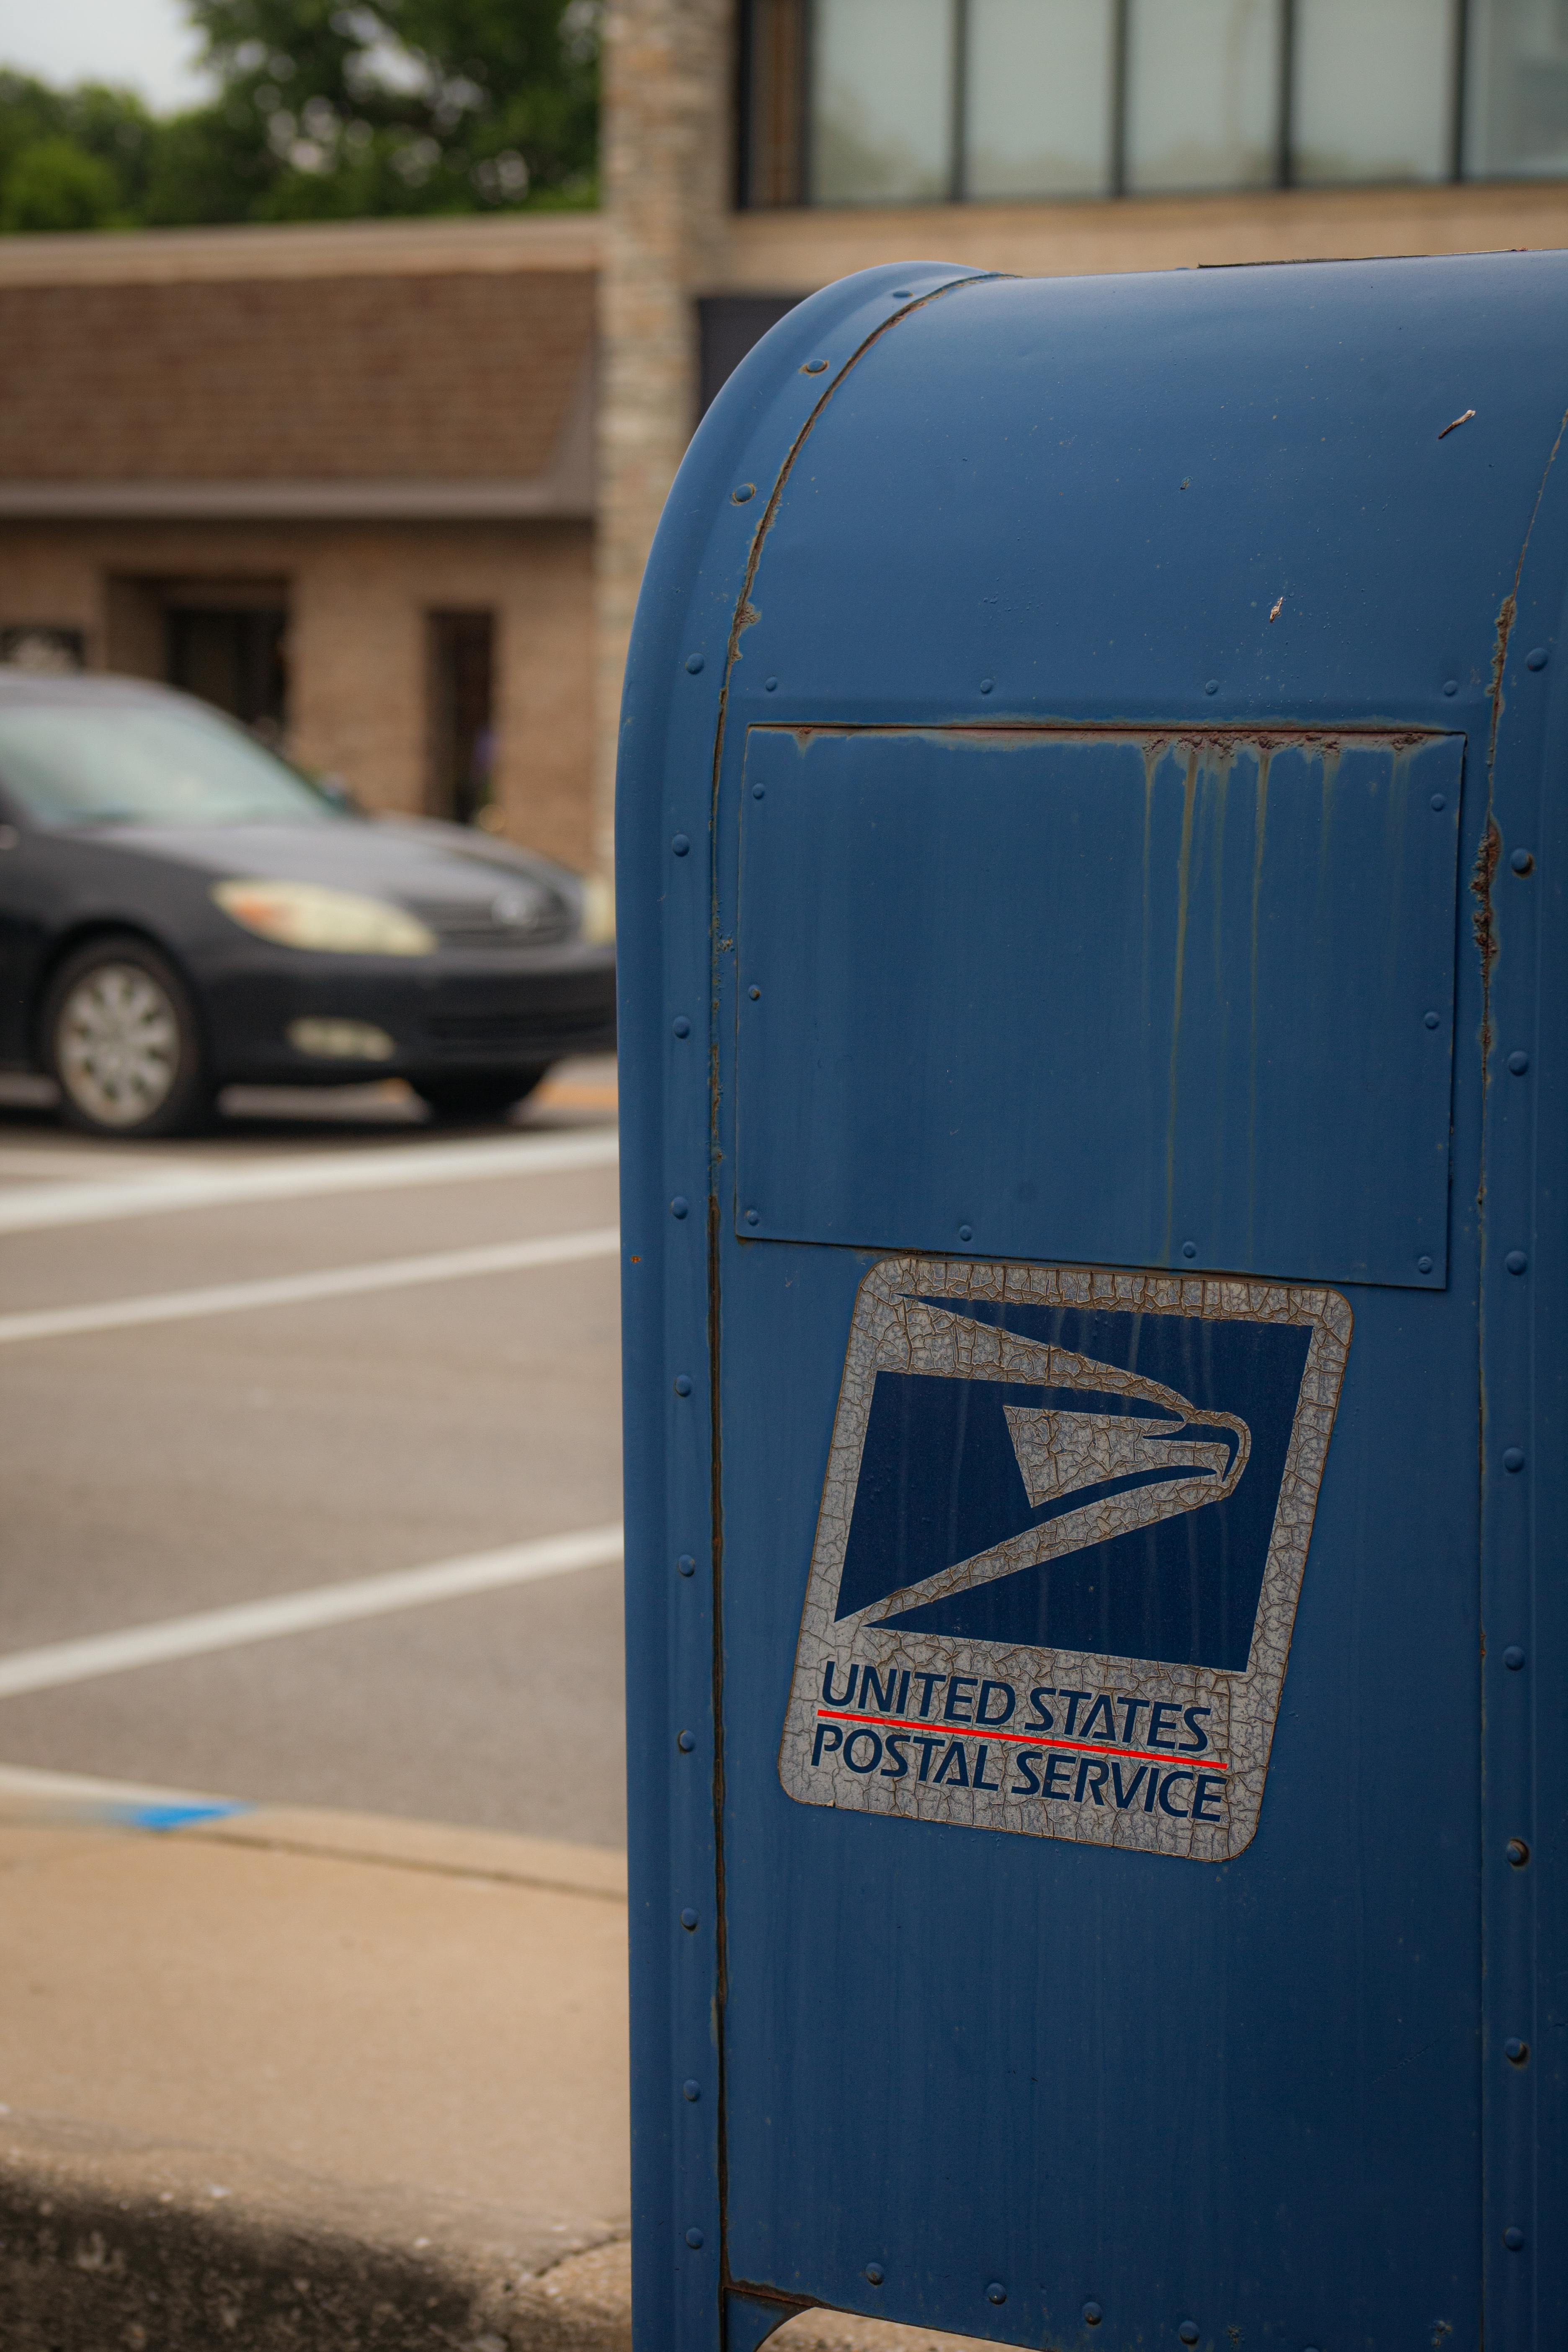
{"x": 53, "y": 184}
{"x": 87, "y": 154}
{"x": 329, "y": 111}
{"x": 403, "y": 107}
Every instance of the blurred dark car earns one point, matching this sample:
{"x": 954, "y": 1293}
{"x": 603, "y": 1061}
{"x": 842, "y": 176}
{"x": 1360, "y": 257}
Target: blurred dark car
{"x": 181, "y": 910}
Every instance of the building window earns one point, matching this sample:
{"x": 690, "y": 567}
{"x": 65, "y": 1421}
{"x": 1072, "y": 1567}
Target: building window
{"x": 1516, "y": 90}
{"x": 1039, "y": 78}
{"x": 910, "y": 101}
{"x": 1203, "y": 94}
{"x": 233, "y": 656}
{"x": 462, "y": 717}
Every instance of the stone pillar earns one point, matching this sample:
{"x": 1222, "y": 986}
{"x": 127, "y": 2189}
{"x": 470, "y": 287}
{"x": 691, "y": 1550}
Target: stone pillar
{"x": 666, "y": 177}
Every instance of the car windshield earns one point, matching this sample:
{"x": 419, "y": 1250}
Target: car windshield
{"x": 134, "y": 763}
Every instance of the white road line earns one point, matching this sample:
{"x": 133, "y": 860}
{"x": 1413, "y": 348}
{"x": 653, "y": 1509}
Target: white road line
{"x": 302, "y": 1612}
{"x": 93, "y": 1200}
{"x": 292, "y": 1289}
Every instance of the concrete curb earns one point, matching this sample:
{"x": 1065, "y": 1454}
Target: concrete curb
{"x": 95, "y": 2256}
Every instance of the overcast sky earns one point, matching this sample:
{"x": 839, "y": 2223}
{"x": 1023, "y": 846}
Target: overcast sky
{"x": 144, "y": 43}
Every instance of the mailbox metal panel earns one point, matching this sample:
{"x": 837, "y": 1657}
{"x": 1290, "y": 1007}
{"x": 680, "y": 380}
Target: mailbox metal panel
{"x": 1115, "y": 989}
{"x": 1103, "y": 2091}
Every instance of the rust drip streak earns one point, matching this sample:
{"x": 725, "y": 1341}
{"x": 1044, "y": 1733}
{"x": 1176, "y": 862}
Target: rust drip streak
{"x": 1183, "y": 893}
{"x": 1261, "y": 827}
{"x": 1483, "y": 922}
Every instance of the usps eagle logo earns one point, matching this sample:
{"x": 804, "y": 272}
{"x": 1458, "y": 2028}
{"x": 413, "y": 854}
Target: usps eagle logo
{"x": 1064, "y": 1522}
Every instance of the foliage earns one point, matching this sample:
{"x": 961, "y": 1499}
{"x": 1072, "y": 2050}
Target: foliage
{"x": 54, "y": 183}
{"x": 71, "y": 159}
{"x": 323, "y": 112}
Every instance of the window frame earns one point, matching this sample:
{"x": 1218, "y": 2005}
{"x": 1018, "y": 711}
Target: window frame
{"x": 750, "y": 98}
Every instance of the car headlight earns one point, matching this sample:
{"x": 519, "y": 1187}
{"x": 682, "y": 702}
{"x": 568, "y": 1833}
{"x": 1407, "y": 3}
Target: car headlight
{"x": 598, "y": 911}
{"x": 330, "y": 923}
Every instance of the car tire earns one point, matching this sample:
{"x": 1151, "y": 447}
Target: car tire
{"x": 121, "y": 1041}
{"x": 478, "y": 1094}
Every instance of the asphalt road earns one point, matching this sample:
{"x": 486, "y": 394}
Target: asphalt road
{"x": 253, "y": 1450}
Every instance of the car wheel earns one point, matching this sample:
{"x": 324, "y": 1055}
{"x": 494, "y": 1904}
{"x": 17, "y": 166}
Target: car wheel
{"x": 478, "y": 1094}
{"x": 120, "y": 1040}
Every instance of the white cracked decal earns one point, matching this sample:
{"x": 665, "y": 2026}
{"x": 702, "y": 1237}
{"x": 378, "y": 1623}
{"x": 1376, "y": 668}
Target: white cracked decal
{"x": 1062, "y": 1533}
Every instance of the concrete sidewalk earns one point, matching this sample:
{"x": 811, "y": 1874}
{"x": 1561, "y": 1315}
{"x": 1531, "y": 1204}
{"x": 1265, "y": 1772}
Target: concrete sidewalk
{"x": 294, "y": 2082}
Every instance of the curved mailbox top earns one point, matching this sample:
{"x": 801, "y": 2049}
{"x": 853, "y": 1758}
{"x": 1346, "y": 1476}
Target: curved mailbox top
{"x": 1206, "y": 495}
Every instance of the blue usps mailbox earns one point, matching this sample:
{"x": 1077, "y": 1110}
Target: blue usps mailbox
{"x": 1095, "y": 1019}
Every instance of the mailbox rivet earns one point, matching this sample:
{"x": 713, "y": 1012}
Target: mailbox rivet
{"x": 875, "y": 2274}
{"x": 683, "y": 1385}
{"x": 1516, "y": 2052}
{"x": 1212, "y": 687}
{"x": 1423, "y": 1264}
{"x": 689, "y": 1920}
{"x": 1513, "y": 1459}
{"x": 967, "y": 1233}
{"x": 1439, "y": 801}
{"x": 693, "y": 2091}
{"x": 1519, "y": 1064}
{"x": 759, "y": 792}
{"x": 1513, "y": 1657}
{"x": 680, "y": 1205}
{"x": 1433, "y": 1020}
{"x": 1513, "y": 2240}
{"x": 694, "y": 663}
{"x": 814, "y": 367}
{"x": 744, "y": 491}
{"x": 754, "y": 993}
{"x": 685, "y": 1565}
{"x": 753, "y": 1216}
{"x": 1537, "y": 658}
{"x": 684, "y": 1742}
{"x": 1189, "y": 1249}
{"x": 1522, "y": 861}
{"x": 1518, "y": 1853}
{"x": 1188, "y": 2331}
{"x": 986, "y": 684}
{"x": 995, "y": 2291}
{"x": 901, "y": 293}
{"x": 682, "y": 1026}
{"x": 1516, "y": 1261}
{"x": 680, "y": 845}
{"x": 770, "y": 686}
{"x": 694, "y": 2239}
{"x": 1092, "y": 2314}
{"x": 1450, "y": 686}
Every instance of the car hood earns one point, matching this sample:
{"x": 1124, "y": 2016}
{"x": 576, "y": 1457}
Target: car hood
{"x": 414, "y": 861}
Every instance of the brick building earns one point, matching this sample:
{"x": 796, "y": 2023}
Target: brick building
{"x": 390, "y": 487}
{"x": 340, "y": 480}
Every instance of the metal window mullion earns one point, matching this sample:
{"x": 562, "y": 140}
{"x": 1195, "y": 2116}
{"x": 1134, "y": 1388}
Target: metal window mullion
{"x": 807, "y": 97}
{"x": 1284, "y": 161}
{"x": 1461, "y": 35}
{"x": 745, "y": 103}
{"x": 958, "y": 161}
{"x": 1119, "y": 32}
